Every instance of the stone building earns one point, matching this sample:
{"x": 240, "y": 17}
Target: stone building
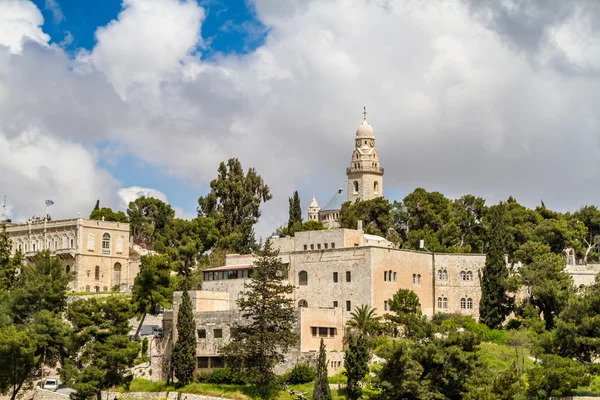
{"x": 333, "y": 272}
{"x": 364, "y": 178}
{"x": 97, "y": 252}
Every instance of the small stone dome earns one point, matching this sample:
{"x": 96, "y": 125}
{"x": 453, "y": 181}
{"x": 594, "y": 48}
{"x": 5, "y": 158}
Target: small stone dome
{"x": 365, "y": 130}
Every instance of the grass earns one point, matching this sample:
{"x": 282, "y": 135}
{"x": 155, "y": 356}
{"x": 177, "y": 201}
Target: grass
{"x": 498, "y": 357}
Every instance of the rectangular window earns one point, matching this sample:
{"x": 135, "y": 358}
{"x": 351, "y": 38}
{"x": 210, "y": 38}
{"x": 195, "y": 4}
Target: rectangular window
{"x": 333, "y": 245}
{"x": 305, "y": 247}
{"x": 319, "y": 246}
{"x": 335, "y": 303}
{"x": 335, "y": 277}
{"x": 313, "y": 329}
{"x": 348, "y": 276}
{"x": 355, "y": 244}
{"x": 348, "y": 305}
{"x": 323, "y": 332}
{"x": 332, "y": 332}
{"x": 385, "y": 306}
{"x": 201, "y": 333}
{"x": 217, "y": 362}
{"x": 202, "y": 362}
{"x": 325, "y": 245}
{"x": 394, "y": 277}
{"x": 385, "y": 276}
{"x": 312, "y": 246}
{"x": 218, "y": 333}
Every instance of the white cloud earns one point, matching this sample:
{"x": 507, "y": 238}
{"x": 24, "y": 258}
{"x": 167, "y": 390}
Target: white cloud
{"x": 54, "y": 7}
{"x": 129, "y": 194}
{"x": 20, "y": 21}
{"x": 35, "y": 167}
{"x": 459, "y": 103}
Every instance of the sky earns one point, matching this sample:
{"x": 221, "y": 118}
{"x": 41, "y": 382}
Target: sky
{"x": 112, "y": 100}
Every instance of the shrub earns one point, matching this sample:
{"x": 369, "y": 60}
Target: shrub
{"x": 301, "y": 373}
{"x": 221, "y": 376}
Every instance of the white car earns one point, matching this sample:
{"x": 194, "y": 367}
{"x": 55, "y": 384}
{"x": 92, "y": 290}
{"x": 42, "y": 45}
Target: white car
{"x": 51, "y": 384}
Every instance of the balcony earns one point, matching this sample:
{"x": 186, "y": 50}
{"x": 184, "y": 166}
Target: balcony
{"x": 377, "y": 170}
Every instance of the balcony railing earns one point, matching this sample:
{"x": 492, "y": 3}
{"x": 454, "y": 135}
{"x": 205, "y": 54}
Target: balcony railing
{"x": 366, "y": 169}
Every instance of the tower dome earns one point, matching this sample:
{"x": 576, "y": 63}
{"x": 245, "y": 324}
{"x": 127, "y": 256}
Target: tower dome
{"x": 365, "y": 131}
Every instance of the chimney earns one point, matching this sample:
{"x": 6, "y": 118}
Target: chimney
{"x": 359, "y": 227}
{"x": 421, "y": 244}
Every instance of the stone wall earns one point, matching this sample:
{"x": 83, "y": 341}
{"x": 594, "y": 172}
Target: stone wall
{"x": 453, "y": 287}
{"x": 156, "y": 395}
{"x": 43, "y": 394}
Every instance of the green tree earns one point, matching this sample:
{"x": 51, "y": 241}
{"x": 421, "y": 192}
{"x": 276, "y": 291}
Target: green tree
{"x": 186, "y": 241}
{"x": 364, "y": 321}
{"x": 509, "y": 384}
{"x": 184, "y": 351}
{"x": 97, "y": 206}
{"x": 406, "y": 309}
{"x": 375, "y": 214}
{"x": 107, "y": 214}
{"x": 152, "y": 287}
{"x": 268, "y": 314}
{"x": 40, "y": 286}
{"x": 550, "y": 285}
{"x": 147, "y": 217}
{"x": 495, "y": 305}
{"x": 8, "y": 264}
{"x": 590, "y": 217}
{"x": 295, "y": 210}
{"x": 100, "y": 353}
{"x": 311, "y": 226}
{"x": 321, "y": 389}
{"x": 555, "y": 376}
{"x": 467, "y": 213}
{"x": 356, "y": 361}
{"x": 234, "y": 204}
{"x": 51, "y": 335}
{"x": 17, "y": 352}
{"x": 400, "y": 376}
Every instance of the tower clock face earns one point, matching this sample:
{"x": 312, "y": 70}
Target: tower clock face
{"x": 372, "y": 143}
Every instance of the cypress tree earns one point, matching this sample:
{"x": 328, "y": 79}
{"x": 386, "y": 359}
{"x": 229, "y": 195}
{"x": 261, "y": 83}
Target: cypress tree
{"x": 356, "y": 361}
{"x": 184, "y": 351}
{"x": 322, "y": 391}
{"x": 495, "y": 305}
{"x": 295, "y": 211}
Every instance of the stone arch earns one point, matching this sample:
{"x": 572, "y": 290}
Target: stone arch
{"x": 303, "y": 303}
{"x": 303, "y": 278}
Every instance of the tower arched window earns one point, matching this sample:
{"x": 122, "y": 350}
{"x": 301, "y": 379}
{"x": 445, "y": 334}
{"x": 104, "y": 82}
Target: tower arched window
{"x": 106, "y": 243}
{"x": 376, "y": 187}
{"x": 303, "y": 278}
{"x": 355, "y": 186}
{"x": 302, "y": 303}
{"x": 117, "y": 270}
{"x": 97, "y": 273}
{"x": 463, "y": 303}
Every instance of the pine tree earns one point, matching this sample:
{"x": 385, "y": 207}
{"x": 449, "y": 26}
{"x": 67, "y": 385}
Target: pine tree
{"x": 322, "y": 391}
{"x": 356, "y": 361}
{"x": 495, "y": 305}
{"x": 260, "y": 342}
{"x": 295, "y": 211}
{"x": 184, "y": 351}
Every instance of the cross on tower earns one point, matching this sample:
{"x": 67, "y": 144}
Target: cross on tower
{"x": 364, "y": 113}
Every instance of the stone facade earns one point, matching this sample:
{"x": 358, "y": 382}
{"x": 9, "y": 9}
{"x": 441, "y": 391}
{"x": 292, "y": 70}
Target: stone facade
{"x": 97, "y": 252}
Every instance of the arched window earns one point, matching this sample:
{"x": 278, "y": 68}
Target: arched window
{"x": 56, "y": 243}
{"x": 469, "y": 303}
{"x": 469, "y": 275}
{"x": 97, "y": 273}
{"x": 26, "y": 245}
{"x": 97, "y": 288}
{"x": 303, "y": 278}
{"x": 414, "y": 278}
{"x": 72, "y": 242}
{"x": 87, "y": 288}
{"x": 105, "y": 288}
{"x": 117, "y": 281}
{"x": 444, "y": 275}
{"x": 90, "y": 242}
{"x": 463, "y": 303}
{"x": 67, "y": 269}
{"x": 302, "y": 303}
{"x": 439, "y": 302}
{"x": 439, "y": 274}
{"x": 355, "y": 186}
{"x": 65, "y": 242}
{"x": 106, "y": 243}
{"x": 49, "y": 244}
{"x": 445, "y": 302}
{"x": 419, "y": 279}
{"x": 463, "y": 276}
{"x": 376, "y": 187}
{"x": 40, "y": 244}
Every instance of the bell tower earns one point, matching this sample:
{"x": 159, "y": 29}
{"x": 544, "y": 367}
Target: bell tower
{"x": 365, "y": 175}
